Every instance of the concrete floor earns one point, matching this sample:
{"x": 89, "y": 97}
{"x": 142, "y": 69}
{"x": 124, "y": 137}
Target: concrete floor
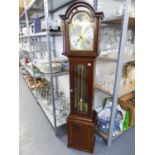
{"x": 37, "y": 135}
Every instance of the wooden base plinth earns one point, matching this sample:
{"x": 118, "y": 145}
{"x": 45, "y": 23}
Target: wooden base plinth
{"x": 81, "y": 133}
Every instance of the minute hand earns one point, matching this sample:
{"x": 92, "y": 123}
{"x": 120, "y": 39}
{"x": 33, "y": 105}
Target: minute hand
{"x": 78, "y": 41}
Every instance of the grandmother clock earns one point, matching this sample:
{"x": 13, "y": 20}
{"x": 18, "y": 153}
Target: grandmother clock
{"x": 80, "y": 39}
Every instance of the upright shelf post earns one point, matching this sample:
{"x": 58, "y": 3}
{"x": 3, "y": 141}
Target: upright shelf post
{"x": 28, "y": 31}
{"x": 27, "y": 24}
{"x": 95, "y": 4}
{"x": 118, "y": 73}
{"x": 46, "y": 10}
{"x": 54, "y": 52}
{"x": 55, "y": 55}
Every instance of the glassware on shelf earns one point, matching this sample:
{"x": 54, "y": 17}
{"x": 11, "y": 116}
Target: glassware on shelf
{"x": 129, "y": 76}
{"x": 55, "y": 24}
{"x": 105, "y": 80}
{"x": 132, "y": 11}
{"x": 110, "y": 46}
{"x": 62, "y": 105}
{"x": 43, "y": 47}
{"x": 130, "y": 34}
{"x": 37, "y": 46}
{"x": 118, "y": 11}
{"x": 100, "y": 5}
{"x": 97, "y": 79}
{"x": 129, "y": 48}
{"x": 122, "y": 82}
{"x": 67, "y": 107}
{"x": 126, "y": 83}
{"x": 111, "y": 39}
{"x": 107, "y": 41}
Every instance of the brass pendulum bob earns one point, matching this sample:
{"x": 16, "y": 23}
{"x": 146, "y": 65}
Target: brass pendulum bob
{"x": 81, "y": 103}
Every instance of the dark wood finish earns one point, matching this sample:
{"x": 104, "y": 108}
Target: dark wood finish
{"x": 81, "y": 132}
{"x": 127, "y": 102}
{"x": 66, "y": 20}
{"x": 90, "y": 70}
{"x": 81, "y": 125}
{"x": 118, "y": 21}
{"x": 78, "y": 137}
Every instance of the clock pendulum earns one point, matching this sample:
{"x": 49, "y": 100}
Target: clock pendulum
{"x": 81, "y": 26}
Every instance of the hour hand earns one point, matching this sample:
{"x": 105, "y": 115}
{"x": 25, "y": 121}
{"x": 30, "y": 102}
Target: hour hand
{"x": 78, "y": 40}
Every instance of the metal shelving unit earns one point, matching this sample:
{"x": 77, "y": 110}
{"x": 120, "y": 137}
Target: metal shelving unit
{"x": 104, "y": 58}
{"x": 42, "y": 34}
{"x": 117, "y": 21}
{"x": 105, "y": 136}
{"x": 30, "y": 71}
{"x": 53, "y": 7}
{"x": 50, "y": 77}
{"x": 125, "y": 21}
{"x": 121, "y": 93}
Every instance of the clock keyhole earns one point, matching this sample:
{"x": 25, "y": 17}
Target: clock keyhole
{"x": 89, "y": 64}
{"x": 71, "y": 90}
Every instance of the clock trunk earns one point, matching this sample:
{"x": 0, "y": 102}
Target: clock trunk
{"x": 81, "y": 86}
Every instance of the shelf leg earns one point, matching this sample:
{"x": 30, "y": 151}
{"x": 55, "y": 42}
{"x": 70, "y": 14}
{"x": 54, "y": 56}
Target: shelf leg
{"x": 124, "y": 28}
{"x": 49, "y": 59}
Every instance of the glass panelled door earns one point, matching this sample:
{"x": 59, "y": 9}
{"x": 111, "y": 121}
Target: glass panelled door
{"x": 81, "y": 86}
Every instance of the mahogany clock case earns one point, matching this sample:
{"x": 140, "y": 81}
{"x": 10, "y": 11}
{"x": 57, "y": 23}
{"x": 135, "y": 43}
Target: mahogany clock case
{"x": 88, "y": 91}
{"x": 66, "y": 20}
{"x": 81, "y": 121}
{"x": 81, "y": 125}
{"x": 81, "y": 132}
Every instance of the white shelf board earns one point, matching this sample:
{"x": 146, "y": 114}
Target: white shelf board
{"x": 42, "y": 34}
{"x": 112, "y": 18}
{"x": 29, "y": 70}
{"x": 47, "y": 75}
{"x": 38, "y": 34}
{"x": 22, "y": 49}
{"x": 23, "y": 36}
{"x": 62, "y": 73}
{"x": 53, "y": 33}
{"x": 122, "y": 91}
{"x": 34, "y": 35}
{"x": 103, "y": 90}
{"x": 105, "y": 136}
{"x": 107, "y": 59}
{"x": 61, "y": 121}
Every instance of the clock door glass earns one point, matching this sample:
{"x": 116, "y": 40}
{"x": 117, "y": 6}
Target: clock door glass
{"x": 80, "y": 89}
{"x": 81, "y": 34}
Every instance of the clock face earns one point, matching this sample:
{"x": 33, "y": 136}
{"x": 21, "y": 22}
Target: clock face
{"x": 81, "y": 33}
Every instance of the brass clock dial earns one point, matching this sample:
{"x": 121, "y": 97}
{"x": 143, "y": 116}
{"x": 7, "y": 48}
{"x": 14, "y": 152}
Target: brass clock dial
{"x": 81, "y": 32}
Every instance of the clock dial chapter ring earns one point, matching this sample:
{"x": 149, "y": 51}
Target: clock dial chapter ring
{"x": 81, "y": 34}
